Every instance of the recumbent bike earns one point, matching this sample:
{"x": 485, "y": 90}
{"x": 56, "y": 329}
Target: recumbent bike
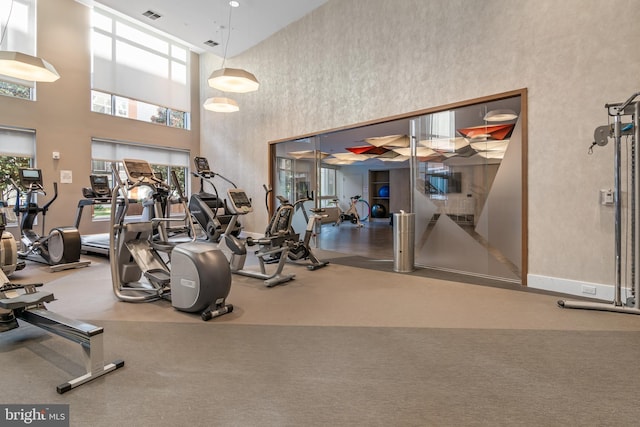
{"x": 279, "y": 243}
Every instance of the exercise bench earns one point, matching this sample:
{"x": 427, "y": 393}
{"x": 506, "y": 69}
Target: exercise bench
{"x": 29, "y": 307}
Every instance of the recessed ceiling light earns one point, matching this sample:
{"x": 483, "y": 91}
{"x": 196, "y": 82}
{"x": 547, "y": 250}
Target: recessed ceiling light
{"x": 234, "y": 3}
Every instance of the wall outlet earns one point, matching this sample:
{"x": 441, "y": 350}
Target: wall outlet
{"x": 586, "y": 289}
{"x": 56, "y": 155}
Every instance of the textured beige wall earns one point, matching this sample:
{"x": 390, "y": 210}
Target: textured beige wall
{"x": 62, "y": 118}
{"x": 356, "y": 60}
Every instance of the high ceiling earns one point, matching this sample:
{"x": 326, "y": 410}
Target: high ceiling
{"x": 197, "y": 21}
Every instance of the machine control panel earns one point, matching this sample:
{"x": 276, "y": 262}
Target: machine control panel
{"x": 139, "y": 171}
{"x": 100, "y": 185}
{"x": 240, "y": 202}
{"x": 29, "y": 177}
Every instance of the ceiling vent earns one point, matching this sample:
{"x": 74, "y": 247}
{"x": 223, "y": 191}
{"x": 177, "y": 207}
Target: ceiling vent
{"x": 211, "y": 43}
{"x": 152, "y": 15}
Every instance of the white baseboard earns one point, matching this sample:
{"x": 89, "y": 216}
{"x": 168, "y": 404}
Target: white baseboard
{"x": 572, "y": 287}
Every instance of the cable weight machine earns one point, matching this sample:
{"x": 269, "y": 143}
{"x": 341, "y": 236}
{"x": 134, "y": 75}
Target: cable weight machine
{"x": 617, "y": 130}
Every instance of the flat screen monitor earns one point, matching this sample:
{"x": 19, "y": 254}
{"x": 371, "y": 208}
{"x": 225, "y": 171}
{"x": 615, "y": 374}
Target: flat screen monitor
{"x": 29, "y": 177}
{"x": 202, "y": 164}
{"x": 100, "y": 184}
{"x": 240, "y": 202}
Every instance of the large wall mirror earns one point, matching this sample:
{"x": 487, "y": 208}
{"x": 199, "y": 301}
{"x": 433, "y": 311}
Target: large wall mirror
{"x": 460, "y": 168}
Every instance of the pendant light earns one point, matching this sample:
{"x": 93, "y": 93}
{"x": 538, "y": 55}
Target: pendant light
{"x": 26, "y": 67}
{"x": 226, "y": 79}
{"x": 221, "y": 105}
{"x": 22, "y": 66}
{"x": 233, "y": 80}
{"x": 500, "y": 115}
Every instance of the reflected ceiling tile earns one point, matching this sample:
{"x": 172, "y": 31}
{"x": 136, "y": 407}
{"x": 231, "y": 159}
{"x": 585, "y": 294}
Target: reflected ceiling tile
{"x": 394, "y": 159}
{"x": 491, "y": 154}
{"x": 389, "y": 141}
{"x": 306, "y": 154}
{"x": 445, "y": 144}
{"x": 336, "y": 161}
{"x": 351, "y": 156}
{"x": 420, "y": 151}
{"x": 490, "y": 145}
{"x": 368, "y": 149}
{"x": 487, "y": 131}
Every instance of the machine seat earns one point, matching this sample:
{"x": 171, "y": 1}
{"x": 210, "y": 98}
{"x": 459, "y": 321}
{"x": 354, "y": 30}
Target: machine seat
{"x": 26, "y": 300}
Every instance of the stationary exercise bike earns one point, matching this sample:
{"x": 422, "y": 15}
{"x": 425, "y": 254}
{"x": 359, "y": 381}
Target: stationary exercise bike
{"x": 61, "y": 247}
{"x": 209, "y": 210}
{"x": 29, "y": 306}
{"x": 273, "y": 247}
{"x": 299, "y": 250}
{"x": 145, "y": 266}
{"x": 352, "y": 215}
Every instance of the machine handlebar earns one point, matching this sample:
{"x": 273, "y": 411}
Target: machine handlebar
{"x": 55, "y": 196}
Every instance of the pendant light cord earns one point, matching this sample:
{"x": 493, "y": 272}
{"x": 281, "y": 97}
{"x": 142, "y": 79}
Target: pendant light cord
{"x": 6, "y": 25}
{"x": 226, "y": 44}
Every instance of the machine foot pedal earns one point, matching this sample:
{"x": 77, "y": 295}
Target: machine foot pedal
{"x": 158, "y": 276}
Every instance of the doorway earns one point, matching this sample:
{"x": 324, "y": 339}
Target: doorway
{"x": 461, "y": 168}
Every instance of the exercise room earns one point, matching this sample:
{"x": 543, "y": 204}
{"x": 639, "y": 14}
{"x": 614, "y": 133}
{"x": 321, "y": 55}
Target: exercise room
{"x": 319, "y": 212}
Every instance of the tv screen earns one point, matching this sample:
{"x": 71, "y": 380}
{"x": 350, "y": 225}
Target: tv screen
{"x": 444, "y": 183}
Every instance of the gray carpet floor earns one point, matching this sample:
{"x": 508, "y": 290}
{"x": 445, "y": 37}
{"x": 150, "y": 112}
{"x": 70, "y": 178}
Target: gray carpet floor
{"x": 340, "y": 346}
{"x": 387, "y": 265}
{"x": 205, "y": 374}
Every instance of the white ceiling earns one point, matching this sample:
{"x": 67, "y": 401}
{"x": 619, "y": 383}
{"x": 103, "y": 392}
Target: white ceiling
{"x": 196, "y": 21}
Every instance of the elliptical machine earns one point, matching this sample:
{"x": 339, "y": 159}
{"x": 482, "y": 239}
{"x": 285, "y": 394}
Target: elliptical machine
{"x": 61, "y": 247}
{"x": 195, "y": 276}
{"x": 209, "y": 211}
{"x": 9, "y": 262}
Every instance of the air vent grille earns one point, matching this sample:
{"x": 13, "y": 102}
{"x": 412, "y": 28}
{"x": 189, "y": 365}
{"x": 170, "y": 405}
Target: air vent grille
{"x": 211, "y": 43}
{"x": 152, "y": 15}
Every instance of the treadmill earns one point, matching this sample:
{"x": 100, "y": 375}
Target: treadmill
{"x": 98, "y": 194}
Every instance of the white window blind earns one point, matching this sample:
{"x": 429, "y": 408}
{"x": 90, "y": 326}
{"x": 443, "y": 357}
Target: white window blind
{"x": 17, "y": 142}
{"x": 18, "y": 21}
{"x": 133, "y": 61}
{"x": 102, "y": 149}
